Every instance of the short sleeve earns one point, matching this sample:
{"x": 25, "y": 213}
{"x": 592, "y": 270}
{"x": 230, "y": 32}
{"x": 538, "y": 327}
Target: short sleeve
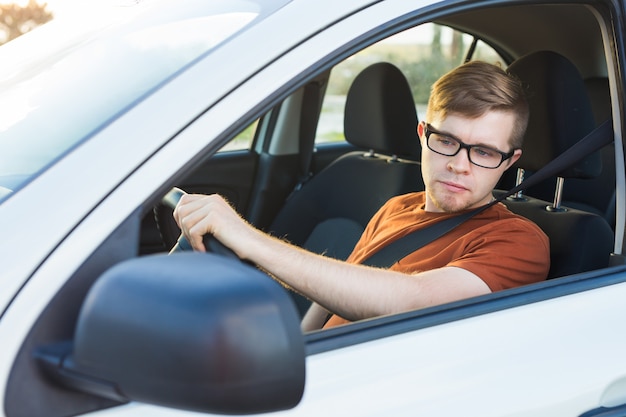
{"x": 506, "y": 254}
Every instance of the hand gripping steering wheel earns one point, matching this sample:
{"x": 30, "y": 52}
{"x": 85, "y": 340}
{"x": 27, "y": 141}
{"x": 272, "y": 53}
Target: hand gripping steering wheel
{"x": 210, "y": 242}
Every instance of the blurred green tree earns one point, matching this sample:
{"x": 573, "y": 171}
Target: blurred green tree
{"x": 15, "y": 20}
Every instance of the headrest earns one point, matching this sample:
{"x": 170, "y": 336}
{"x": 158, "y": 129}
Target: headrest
{"x": 560, "y": 112}
{"x": 380, "y": 112}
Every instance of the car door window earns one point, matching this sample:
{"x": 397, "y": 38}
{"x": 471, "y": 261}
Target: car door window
{"x": 423, "y": 53}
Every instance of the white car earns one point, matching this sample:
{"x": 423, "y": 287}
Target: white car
{"x": 302, "y": 114}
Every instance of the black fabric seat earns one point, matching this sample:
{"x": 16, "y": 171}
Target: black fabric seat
{"x": 329, "y": 213}
{"x": 560, "y": 115}
{"x": 599, "y": 193}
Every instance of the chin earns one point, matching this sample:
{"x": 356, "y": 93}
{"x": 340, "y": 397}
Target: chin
{"x": 451, "y": 205}
{"x": 447, "y": 202}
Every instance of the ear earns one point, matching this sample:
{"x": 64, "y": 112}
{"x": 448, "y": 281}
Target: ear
{"x": 516, "y": 155}
{"x": 421, "y": 129}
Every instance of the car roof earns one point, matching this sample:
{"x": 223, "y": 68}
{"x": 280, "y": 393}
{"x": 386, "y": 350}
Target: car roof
{"x": 520, "y": 29}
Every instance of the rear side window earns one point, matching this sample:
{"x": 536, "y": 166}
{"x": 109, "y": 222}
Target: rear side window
{"x": 244, "y": 140}
{"x": 423, "y": 53}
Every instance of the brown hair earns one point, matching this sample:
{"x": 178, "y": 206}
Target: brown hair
{"x": 476, "y": 87}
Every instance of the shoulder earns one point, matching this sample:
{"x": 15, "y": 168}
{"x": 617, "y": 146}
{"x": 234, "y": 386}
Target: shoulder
{"x": 500, "y": 220}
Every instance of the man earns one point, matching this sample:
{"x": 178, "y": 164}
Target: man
{"x": 475, "y": 122}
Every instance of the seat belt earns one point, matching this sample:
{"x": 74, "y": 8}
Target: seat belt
{"x": 308, "y": 119}
{"x": 398, "y": 249}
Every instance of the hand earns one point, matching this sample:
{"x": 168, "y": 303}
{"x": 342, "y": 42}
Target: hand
{"x": 198, "y": 215}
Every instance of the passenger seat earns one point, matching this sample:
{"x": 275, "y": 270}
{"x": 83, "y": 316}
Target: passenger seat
{"x": 560, "y": 116}
{"x": 600, "y": 192}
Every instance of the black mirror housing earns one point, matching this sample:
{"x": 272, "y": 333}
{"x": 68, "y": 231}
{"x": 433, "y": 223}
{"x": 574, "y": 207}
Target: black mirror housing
{"x": 191, "y": 331}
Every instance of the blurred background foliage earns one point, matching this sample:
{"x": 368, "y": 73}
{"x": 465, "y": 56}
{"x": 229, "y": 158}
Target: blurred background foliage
{"x": 17, "y": 19}
{"x": 421, "y": 63}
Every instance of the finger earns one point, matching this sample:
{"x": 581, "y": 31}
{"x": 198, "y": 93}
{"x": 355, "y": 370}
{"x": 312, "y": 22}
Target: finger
{"x": 198, "y": 215}
{"x": 194, "y": 227}
{"x": 196, "y": 243}
{"x": 187, "y": 204}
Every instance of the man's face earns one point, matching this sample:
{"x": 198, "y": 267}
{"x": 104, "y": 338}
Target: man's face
{"x": 453, "y": 183}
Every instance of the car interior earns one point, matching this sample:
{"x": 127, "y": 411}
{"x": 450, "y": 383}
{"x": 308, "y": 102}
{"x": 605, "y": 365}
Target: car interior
{"x": 285, "y": 179}
{"x": 320, "y": 195}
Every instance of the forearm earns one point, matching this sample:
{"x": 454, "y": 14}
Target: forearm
{"x": 351, "y": 291}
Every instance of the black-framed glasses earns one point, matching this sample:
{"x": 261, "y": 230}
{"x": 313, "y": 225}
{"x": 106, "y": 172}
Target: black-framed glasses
{"x": 480, "y": 155}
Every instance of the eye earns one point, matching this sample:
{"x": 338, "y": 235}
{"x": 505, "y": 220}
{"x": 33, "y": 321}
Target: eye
{"x": 446, "y": 141}
{"x": 485, "y": 153}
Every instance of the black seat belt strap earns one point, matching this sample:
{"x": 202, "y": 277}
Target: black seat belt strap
{"x": 308, "y": 118}
{"x": 398, "y": 249}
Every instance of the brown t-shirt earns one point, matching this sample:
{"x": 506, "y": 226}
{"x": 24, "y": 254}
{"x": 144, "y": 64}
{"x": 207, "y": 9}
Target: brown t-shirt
{"x": 503, "y": 249}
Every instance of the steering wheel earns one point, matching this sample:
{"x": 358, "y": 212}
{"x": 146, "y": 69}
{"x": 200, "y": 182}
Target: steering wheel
{"x": 211, "y": 244}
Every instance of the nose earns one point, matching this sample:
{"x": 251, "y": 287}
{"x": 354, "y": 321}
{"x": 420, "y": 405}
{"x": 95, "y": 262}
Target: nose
{"x": 460, "y": 162}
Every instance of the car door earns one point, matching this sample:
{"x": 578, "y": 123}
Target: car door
{"x": 549, "y": 349}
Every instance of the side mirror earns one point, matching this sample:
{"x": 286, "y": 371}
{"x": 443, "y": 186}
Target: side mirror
{"x": 191, "y": 331}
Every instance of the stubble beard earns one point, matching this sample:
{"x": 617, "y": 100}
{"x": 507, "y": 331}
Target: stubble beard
{"x": 448, "y": 203}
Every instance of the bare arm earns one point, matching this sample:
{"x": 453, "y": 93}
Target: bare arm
{"x": 351, "y": 291}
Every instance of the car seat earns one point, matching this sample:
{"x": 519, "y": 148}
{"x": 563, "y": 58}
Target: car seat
{"x": 560, "y": 115}
{"x": 599, "y": 193}
{"x": 596, "y": 194}
{"x": 329, "y": 212}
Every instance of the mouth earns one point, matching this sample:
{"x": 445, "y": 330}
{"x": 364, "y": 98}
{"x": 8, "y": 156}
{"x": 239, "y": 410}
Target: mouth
{"x": 453, "y": 186}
